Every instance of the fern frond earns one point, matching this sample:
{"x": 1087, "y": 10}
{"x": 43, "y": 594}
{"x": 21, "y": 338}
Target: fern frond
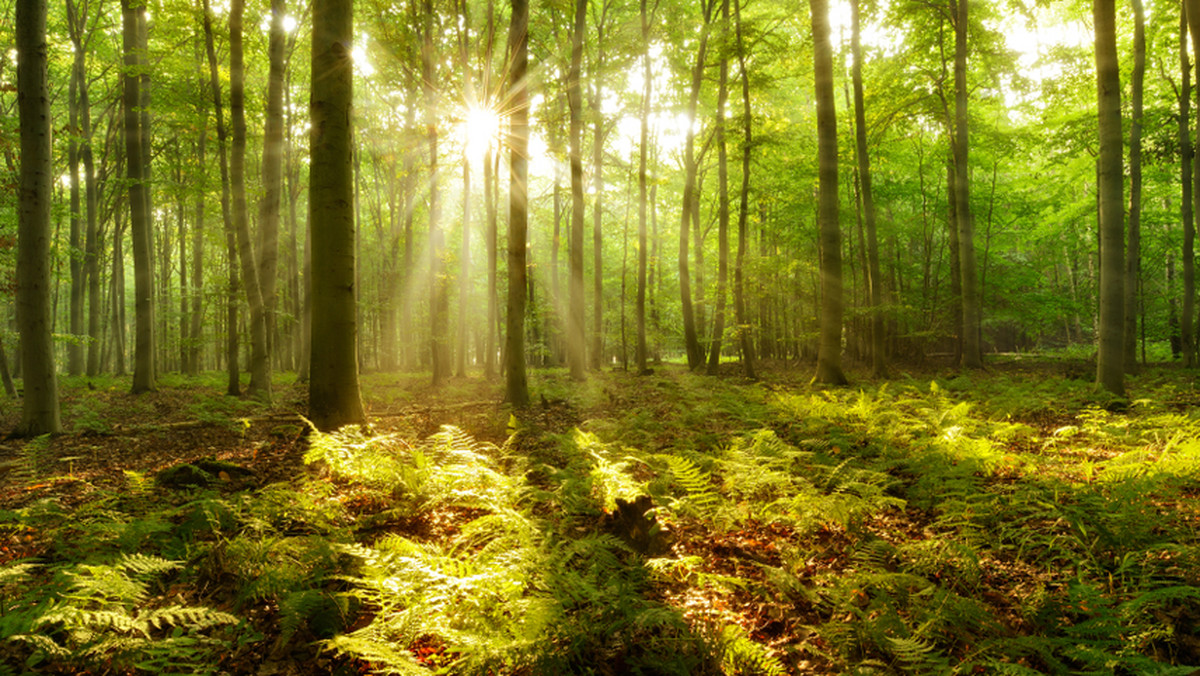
{"x": 739, "y": 654}
{"x": 696, "y": 482}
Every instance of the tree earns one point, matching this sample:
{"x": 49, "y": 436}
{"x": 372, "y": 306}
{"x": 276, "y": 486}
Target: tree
{"x": 695, "y": 353}
{"x": 517, "y": 389}
{"x": 439, "y": 299}
{"x": 1110, "y": 370}
{"x": 972, "y": 355}
{"x": 272, "y": 178}
{"x": 333, "y": 396}
{"x": 739, "y": 276}
{"x": 1133, "y": 253}
{"x": 575, "y": 310}
{"x": 714, "y": 352}
{"x": 233, "y": 386}
{"x": 874, "y": 279}
{"x": 260, "y": 362}
{"x": 137, "y": 170}
{"x": 643, "y": 149}
{"x": 39, "y": 410}
{"x": 1186, "y": 213}
{"x": 829, "y": 350}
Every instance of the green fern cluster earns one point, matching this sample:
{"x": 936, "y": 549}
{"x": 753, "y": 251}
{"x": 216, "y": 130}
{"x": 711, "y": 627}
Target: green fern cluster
{"x": 448, "y": 468}
{"x": 100, "y": 614}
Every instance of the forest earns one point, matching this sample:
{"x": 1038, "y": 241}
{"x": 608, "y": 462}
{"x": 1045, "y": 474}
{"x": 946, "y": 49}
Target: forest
{"x": 599, "y": 337}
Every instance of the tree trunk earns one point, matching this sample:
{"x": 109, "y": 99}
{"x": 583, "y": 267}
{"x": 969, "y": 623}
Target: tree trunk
{"x": 5, "y": 377}
{"x": 517, "y": 390}
{"x": 875, "y": 282}
{"x": 260, "y": 362}
{"x": 1186, "y": 207}
{"x": 1133, "y": 267}
{"x": 597, "y": 353}
{"x": 139, "y": 220}
{"x": 972, "y": 353}
{"x": 75, "y": 354}
{"x": 575, "y": 314}
{"x": 695, "y": 353}
{"x": 195, "y": 332}
{"x": 745, "y": 336}
{"x": 714, "y": 353}
{"x": 233, "y": 386}
{"x": 1110, "y": 371}
{"x": 272, "y": 178}
{"x": 39, "y": 410}
{"x": 829, "y": 351}
{"x": 333, "y": 396}
{"x": 644, "y": 147}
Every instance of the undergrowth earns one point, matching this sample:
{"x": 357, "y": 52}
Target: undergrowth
{"x": 975, "y": 523}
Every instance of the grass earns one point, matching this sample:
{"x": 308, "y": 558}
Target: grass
{"x": 1010, "y": 521}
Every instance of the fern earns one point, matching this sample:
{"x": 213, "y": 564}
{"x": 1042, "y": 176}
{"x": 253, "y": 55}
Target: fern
{"x": 739, "y": 654}
{"x": 700, "y": 493}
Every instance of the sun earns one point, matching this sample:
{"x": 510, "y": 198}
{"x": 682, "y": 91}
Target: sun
{"x": 479, "y": 130}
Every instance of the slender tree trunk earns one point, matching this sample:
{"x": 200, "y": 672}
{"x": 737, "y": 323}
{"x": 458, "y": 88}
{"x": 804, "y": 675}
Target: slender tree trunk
{"x": 272, "y": 178}
{"x": 439, "y": 308}
{"x": 39, "y": 410}
{"x": 117, "y": 294}
{"x": 464, "y": 272}
{"x": 92, "y": 237}
{"x": 333, "y": 396}
{"x": 139, "y": 223}
{"x": 644, "y": 147}
{"x": 196, "y": 330}
{"x": 517, "y": 390}
{"x": 1110, "y": 371}
{"x": 5, "y": 377}
{"x": 260, "y": 362}
{"x": 1133, "y": 251}
{"x": 714, "y": 354}
{"x": 745, "y": 334}
{"x": 575, "y": 310}
{"x": 972, "y": 353}
{"x": 597, "y": 353}
{"x": 878, "y": 362}
{"x": 195, "y": 333}
{"x": 75, "y": 353}
{"x": 233, "y": 386}
{"x": 1186, "y": 206}
{"x": 829, "y": 353}
{"x": 695, "y": 353}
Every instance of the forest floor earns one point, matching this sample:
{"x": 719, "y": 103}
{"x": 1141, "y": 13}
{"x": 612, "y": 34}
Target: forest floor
{"x": 1011, "y": 520}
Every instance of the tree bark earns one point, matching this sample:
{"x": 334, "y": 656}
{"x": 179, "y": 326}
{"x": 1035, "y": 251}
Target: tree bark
{"x": 272, "y": 178}
{"x": 260, "y": 362}
{"x": 575, "y": 311}
{"x": 233, "y": 386}
{"x": 1133, "y": 251}
{"x": 718, "y": 334}
{"x": 972, "y": 353}
{"x": 875, "y": 282}
{"x": 1110, "y": 370}
{"x": 829, "y": 350}
{"x": 333, "y": 395}
{"x": 439, "y": 308}
{"x": 695, "y": 353}
{"x": 139, "y": 221}
{"x": 517, "y": 389}
{"x": 75, "y": 353}
{"x": 745, "y": 335}
{"x": 39, "y": 410}
{"x": 597, "y": 352}
{"x": 643, "y": 197}
{"x": 1186, "y": 206}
